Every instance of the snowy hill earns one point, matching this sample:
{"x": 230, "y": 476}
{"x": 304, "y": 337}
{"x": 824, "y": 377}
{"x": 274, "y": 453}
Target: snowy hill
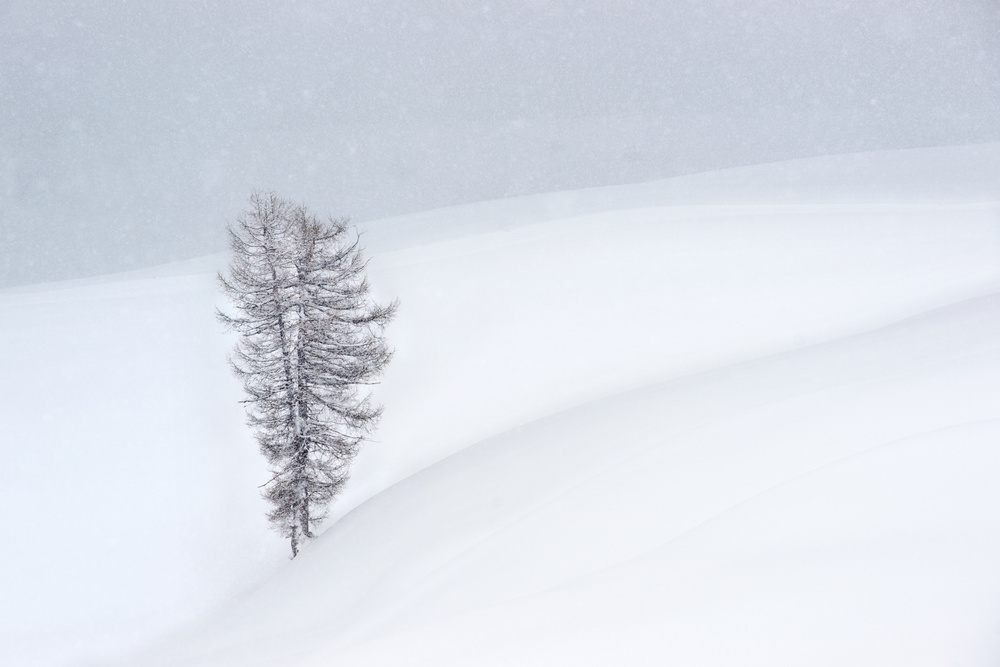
{"x": 747, "y": 417}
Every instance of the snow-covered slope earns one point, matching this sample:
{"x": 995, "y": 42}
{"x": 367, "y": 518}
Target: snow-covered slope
{"x": 742, "y": 417}
{"x": 833, "y": 505}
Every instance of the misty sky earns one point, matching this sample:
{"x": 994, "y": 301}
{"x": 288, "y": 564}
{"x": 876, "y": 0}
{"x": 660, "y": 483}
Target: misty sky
{"x": 130, "y": 132}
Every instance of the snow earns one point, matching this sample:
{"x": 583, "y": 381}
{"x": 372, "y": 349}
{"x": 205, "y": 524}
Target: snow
{"x": 747, "y": 417}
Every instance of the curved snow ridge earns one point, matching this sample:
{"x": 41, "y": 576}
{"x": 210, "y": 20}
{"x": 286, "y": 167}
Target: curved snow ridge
{"x": 887, "y": 557}
{"x": 664, "y": 491}
{"x": 542, "y": 512}
{"x": 507, "y": 530}
{"x": 504, "y": 328}
{"x": 518, "y": 311}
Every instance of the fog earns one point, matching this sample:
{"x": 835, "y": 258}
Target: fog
{"x": 131, "y": 132}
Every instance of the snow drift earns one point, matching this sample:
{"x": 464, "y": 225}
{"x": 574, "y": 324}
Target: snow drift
{"x": 740, "y": 418}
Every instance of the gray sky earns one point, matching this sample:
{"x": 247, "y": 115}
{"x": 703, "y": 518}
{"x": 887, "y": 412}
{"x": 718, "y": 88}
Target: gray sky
{"x": 130, "y": 132}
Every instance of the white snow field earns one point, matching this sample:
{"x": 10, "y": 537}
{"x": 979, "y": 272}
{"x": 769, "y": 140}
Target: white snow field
{"x": 742, "y": 418}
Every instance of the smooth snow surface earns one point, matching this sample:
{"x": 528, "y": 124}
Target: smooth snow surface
{"x": 725, "y": 420}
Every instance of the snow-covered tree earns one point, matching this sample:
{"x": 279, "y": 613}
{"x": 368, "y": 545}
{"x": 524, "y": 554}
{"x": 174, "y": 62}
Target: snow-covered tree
{"x": 311, "y": 339}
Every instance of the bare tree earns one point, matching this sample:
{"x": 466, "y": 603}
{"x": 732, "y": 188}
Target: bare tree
{"x": 311, "y": 338}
